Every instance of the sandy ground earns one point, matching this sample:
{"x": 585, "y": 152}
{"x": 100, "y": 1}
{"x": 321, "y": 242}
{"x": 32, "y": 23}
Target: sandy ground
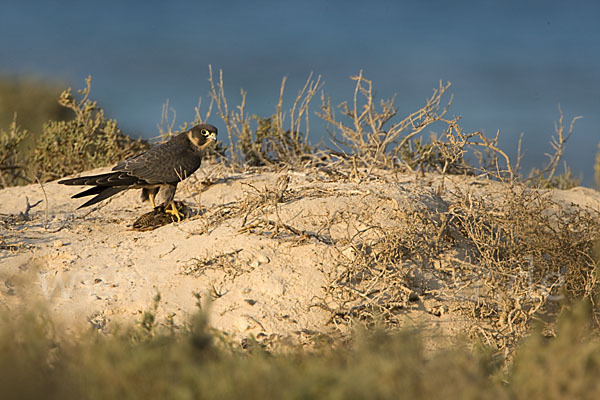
{"x": 90, "y": 268}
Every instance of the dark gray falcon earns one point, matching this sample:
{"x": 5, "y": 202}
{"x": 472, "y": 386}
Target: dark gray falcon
{"x": 160, "y": 168}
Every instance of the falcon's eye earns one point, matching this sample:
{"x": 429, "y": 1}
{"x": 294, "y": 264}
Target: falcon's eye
{"x": 204, "y": 132}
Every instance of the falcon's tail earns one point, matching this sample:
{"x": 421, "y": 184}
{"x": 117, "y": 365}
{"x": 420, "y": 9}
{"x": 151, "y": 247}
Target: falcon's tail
{"x": 105, "y": 185}
{"x": 87, "y": 180}
{"x": 102, "y": 192}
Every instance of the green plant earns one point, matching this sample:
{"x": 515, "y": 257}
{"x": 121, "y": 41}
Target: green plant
{"x": 87, "y": 141}
{"x": 12, "y": 165}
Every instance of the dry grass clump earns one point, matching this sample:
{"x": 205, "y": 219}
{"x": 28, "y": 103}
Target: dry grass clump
{"x": 256, "y": 203}
{"x": 228, "y": 262}
{"x": 258, "y": 211}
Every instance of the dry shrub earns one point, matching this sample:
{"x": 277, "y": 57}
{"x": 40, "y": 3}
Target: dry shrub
{"x": 370, "y": 135}
{"x": 500, "y": 260}
{"x": 513, "y": 254}
{"x": 267, "y": 141}
{"x": 530, "y": 256}
{"x": 255, "y": 205}
{"x": 87, "y": 141}
{"x": 378, "y": 264}
{"x": 546, "y": 177}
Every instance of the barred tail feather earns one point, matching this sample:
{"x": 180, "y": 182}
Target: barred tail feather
{"x": 86, "y": 180}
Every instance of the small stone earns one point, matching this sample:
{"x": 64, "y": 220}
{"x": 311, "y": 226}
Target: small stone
{"x": 262, "y": 259}
{"x": 58, "y": 243}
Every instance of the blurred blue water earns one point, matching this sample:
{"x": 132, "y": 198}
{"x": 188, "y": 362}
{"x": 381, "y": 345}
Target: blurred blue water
{"x": 511, "y": 63}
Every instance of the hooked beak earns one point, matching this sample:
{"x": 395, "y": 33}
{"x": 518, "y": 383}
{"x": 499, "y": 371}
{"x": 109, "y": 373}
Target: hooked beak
{"x": 212, "y": 136}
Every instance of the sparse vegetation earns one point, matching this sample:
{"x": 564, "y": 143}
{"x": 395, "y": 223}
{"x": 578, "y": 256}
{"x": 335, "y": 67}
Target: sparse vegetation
{"x": 509, "y": 259}
{"x": 369, "y": 134}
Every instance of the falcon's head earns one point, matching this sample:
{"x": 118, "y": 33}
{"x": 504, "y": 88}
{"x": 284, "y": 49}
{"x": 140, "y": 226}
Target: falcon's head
{"x": 202, "y": 135}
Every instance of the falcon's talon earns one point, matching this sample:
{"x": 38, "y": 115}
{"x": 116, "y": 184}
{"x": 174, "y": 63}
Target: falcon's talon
{"x": 175, "y": 212}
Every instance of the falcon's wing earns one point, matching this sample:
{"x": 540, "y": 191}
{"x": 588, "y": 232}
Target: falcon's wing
{"x": 166, "y": 163}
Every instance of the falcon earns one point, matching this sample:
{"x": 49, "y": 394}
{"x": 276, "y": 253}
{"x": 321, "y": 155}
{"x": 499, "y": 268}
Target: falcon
{"x": 160, "y": 168}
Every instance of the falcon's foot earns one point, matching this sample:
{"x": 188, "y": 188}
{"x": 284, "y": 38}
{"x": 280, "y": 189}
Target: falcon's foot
{"x": 174, "y": 211}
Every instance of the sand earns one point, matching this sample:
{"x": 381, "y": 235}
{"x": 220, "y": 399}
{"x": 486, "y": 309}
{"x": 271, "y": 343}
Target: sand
{"x": 90, "y": 269}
